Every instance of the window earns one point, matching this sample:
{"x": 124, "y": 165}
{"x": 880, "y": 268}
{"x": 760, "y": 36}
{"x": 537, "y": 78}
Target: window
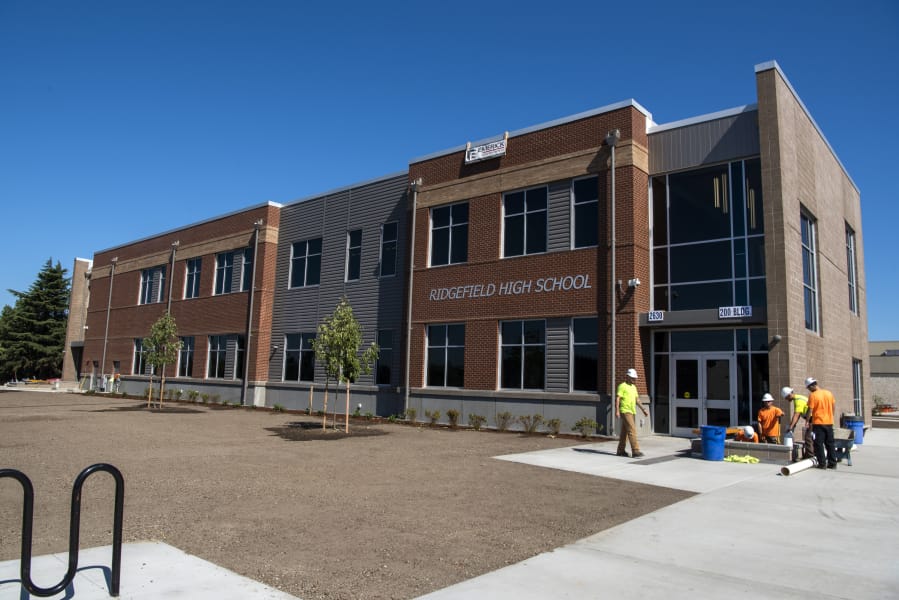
{"x": 246, "y": 272}
{"x": 385, "y": 357}
{"x": 809, "y": 272}
{"x": 523, "y": 361}
{"x": 388, "y": 249}
{"x": 353, "y": 255}
{"x": 224, "y": 269}
{"x": 186, "y": 357}
{"x": 218, "y": 350}
{"x": 585, "y": 353}
{"x": 858, "y": 406}
{"x": 299, "y": 357}
{"x": 851, "y": 271}
{"x": 240, "y": 357}
{"x": 449, "y": 234}
{"x": 524, "y": 222}
{"x": 139, "y": 365}
{"x": 192, "y": 278}
{"x": 446, "y": 355}
{"x": 585, "y": 201}
{"x": 152, "y": 282}
{"x": 305, "y": 263}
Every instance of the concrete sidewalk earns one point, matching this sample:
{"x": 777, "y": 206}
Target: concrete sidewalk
{"x": 816, "y": 534}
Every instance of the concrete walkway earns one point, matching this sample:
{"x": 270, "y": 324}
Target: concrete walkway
{"x": 749, "y": 530}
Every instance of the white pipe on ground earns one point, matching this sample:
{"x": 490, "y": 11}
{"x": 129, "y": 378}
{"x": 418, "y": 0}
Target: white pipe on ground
{"x": 799, "y": 467}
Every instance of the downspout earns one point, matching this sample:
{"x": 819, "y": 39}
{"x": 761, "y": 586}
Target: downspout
{"x": 612, "y": 139}
{"x": 414, "y": 186}
{"x": 113, "y": 261}
{"x": 246, "y": 359}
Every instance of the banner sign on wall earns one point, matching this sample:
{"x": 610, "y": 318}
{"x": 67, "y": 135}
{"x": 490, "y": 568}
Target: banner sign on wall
{"x": 486, "y": 150}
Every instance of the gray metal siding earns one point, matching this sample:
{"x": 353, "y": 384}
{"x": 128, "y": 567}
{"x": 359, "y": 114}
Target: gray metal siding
{"x": 559, "y": 217}
{"x": 557, "y": 355}
{"x": 702, "y": 143}
{"x": 377, "y": 302}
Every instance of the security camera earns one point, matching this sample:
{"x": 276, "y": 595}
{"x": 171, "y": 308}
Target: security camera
{"x": 633, "y": 282}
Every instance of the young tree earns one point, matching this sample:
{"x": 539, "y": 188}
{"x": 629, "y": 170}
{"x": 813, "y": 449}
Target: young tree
{"x": 34, "y": 330}
{"x": 163, "y": 347}
{"x": 337, "y": 349}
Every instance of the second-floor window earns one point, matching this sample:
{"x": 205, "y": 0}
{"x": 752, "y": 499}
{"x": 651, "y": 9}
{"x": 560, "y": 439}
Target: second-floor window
{"x": 809, "y": 271}
{"x": 524, "y": 222}
{"x": 388, "y": 249}
{"x": 851, "y": 270}
{"x": 246, "y": 272}
{"x": 353, "y": 255}
{"x": 585, "y": 210}
{"x": 449, "y": 234}
{"x": 152, "y": 284}
{"x": 224, "y": 272}
{"x": 305, "y": 263}
{"x": 192, "y": 277}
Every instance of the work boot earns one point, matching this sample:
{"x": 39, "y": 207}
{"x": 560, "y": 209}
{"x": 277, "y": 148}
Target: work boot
{"x": 832, "y": 466}
{"x": 621, "y": 453}
{"x": 637, "y": 454}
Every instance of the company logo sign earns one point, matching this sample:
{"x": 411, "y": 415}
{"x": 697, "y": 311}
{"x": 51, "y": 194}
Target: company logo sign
{"x": 485, "y": 151}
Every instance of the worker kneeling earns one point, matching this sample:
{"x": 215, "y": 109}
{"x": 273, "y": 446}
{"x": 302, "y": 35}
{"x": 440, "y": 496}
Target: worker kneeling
{"x": 747, "y": 434}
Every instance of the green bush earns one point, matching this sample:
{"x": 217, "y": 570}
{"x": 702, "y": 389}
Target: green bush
{"x": 554, "y": 426}
{"x": 503, "y": 420}
{"x": 410, "y": 414}
{"x": 453, "y": 416}
{"x": 277, "y": 408}
{"x": 585, "y": 426}
{"x": 433, "y": 416}
{"x": 476, "y": 421}
{"x": 192, "y": 395}
{"x": 530, "y": 422}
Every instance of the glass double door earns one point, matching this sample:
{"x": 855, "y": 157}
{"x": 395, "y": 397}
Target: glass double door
{"x": 703, "y": 391}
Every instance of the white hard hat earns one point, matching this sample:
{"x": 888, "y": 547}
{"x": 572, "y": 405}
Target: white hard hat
{"x": 810, "y": 381}
{"x": 632, "y": 373}
{"x": 786, "y": 391}
{"x": 767, "y": 398}
{"x": 748, "y": 431}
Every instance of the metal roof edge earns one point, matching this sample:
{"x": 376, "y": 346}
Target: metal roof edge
{"x": 721, "y": 114}
{"x": 351, "y": 186}
{"x": 561, "y": 121}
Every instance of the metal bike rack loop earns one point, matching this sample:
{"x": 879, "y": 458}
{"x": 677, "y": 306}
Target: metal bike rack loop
{"x": 74, "y": 529}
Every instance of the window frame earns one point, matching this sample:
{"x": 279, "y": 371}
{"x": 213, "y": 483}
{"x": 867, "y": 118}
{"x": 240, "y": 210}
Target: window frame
{"x": 523, "y": 346}
{"x": 353, "y": 251}
{"x": 303, "y": 353}
{"x": 574, "y": 213}
{"x": 453, "y": 230}
{"x": 186, "y": 356}
{"x": 573, "y": 354}
{"x": 150, "y": 277}
{"x": 139, "y": 357}
{"x": 808, "y": 228}
{"x": 193, "y": 268}
{"x": 386, "y": 244}
{"x": 224, "y": 273}
{"x": 385, "y": 357}
{"x": 852, "y": 270}
{"x": 527, "y": 215}
{"x": 218, "y": 353}
{"x": 306, "y": 259}
{"x": 246, "y": 278}
{"x": 445, "y": 350}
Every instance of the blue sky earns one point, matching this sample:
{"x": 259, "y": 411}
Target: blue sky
{"x": 122, "y": 119}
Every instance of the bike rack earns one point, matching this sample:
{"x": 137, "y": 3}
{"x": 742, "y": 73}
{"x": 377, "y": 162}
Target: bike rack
{"x": 74, "y": 529}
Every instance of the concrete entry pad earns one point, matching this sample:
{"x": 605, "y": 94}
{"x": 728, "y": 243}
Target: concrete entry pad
{"x": 149, "y": 570}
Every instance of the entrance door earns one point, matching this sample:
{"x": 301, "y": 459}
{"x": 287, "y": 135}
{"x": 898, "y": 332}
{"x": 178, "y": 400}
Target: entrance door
{"x": 703, "y": 392}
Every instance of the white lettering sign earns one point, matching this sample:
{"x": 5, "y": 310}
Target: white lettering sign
{"x": 734, "y": 312}
{"x": 655, "y": 316}
{"x": 485, "y": 151}
{"x": 518, "y": 287}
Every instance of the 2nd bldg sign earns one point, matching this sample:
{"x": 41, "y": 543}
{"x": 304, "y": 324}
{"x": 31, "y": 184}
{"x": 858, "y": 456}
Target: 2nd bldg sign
{"x": 734, "y": 312}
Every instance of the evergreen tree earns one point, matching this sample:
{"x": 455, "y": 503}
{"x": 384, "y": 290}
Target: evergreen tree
{"x": 33, "y": 332}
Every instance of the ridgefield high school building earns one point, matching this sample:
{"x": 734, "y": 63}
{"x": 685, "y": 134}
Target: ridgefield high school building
{"x": 720, "y": 256}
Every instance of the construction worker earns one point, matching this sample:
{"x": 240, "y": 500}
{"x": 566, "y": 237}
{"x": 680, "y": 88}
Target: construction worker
{"x": 769, "y": 420}
{"x": 747, "y": 434}
{"x": 820, "y": 406}
{"x": 626, "y": 402}
{"x": 800, "y": 410}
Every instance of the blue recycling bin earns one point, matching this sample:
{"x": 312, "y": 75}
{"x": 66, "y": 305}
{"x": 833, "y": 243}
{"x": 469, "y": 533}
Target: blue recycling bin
{"x": 712, "y": 442}
{"x": 857, "y": 425}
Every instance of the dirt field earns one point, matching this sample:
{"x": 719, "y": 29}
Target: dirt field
{"x": 390, "y": 511}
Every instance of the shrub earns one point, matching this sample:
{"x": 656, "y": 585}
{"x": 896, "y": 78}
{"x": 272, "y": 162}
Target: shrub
{"x": 530, "y": 422}
{"x": 503, "y": 420}
{"x": 392, "y": 418}
{"x": 192, "y": 395}
{"x": 554, "y": 426}
{"x": 433, "y": 416}
{"x": 277, "y": 408}
{"x": 453, "y": 416}
{"x": 585, "y": 426}
{"x": 179, "y": 393}
{"x": 476, "y": 421}
{"x": 204, "y": 397}
{"x": 410, "y": 414}
{"x": 369, "y": 415}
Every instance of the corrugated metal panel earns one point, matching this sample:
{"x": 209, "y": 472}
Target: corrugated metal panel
{"x": 708, "y": 142}
{"x": 377, "y": 302}
{"x": 559, "y": 216}
{"x": 557, "y": 355}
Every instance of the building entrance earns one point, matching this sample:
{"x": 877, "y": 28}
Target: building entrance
{"x": 703, "y": 391}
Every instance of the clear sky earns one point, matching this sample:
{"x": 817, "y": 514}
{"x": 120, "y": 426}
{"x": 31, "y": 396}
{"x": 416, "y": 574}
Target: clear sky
{"x": 121, "y": 119}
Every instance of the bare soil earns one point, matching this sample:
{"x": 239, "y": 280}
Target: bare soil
{"x": 386, "y": 511}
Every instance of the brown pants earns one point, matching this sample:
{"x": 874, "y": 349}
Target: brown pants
{"x": 628, "y": 432}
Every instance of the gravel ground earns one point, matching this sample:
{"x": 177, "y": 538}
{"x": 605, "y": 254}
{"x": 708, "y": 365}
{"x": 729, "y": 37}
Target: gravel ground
{"x": 390, "y": 511}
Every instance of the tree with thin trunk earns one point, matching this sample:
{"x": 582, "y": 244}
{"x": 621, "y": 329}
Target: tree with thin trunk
{"x": 163, "y": 347}
{"x": 337, "y": 348}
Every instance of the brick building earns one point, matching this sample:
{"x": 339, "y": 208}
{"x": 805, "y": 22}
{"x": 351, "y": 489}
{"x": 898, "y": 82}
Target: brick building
{"x": 528, "y": 271}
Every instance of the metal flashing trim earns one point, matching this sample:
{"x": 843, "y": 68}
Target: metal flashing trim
{"x": 561, "y": 121}
{"x": 195, "y": 224}
{"x": 345, "y": 188}
{"x": 721, "y": 114}
{"x": 772, "y": 65}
